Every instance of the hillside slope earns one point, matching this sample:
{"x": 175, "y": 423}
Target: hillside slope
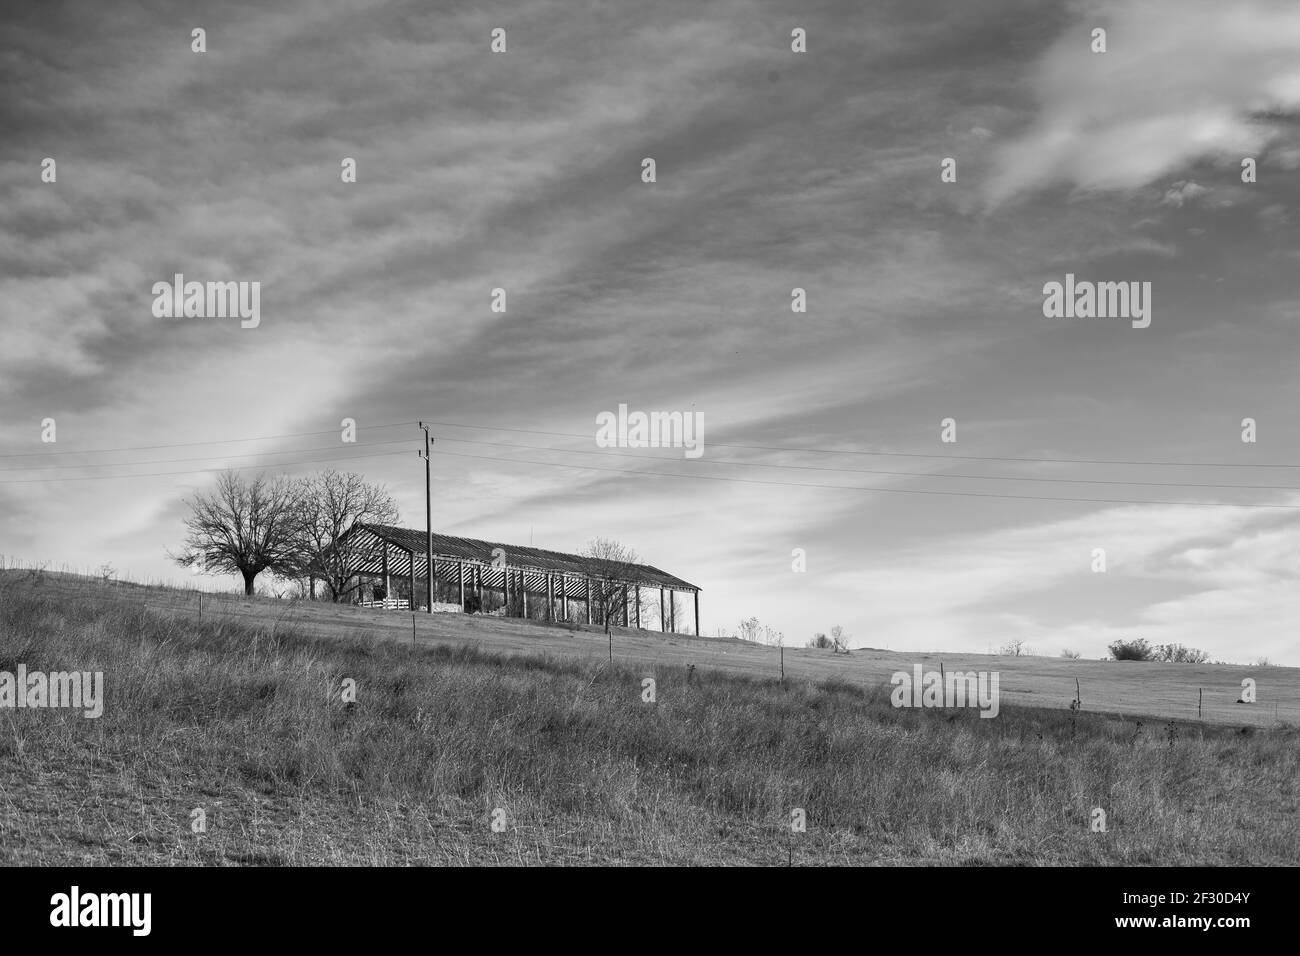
{"x": 458, "y": 756}
{"x": 1133, "y": 688}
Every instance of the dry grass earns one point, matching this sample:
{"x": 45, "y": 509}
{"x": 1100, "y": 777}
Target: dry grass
{"x": 246, "y": 722}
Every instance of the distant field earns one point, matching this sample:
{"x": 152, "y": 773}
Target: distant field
{"x": 239, "y": 718}
{"x": 1117, "y": 687}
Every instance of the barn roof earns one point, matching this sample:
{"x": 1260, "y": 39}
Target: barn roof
{"x": 447, "y": 546}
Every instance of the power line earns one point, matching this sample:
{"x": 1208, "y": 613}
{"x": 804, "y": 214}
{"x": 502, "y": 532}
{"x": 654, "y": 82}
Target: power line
{"x": 902, "y": 491}
{"x": 790, "y": 484}
{"x": 193, "y": 471}
{"x": 191, "y": 444}
{"x": 778, "y": 448}
{"x": 907, "y": 454}
{"x": 169, "y": 461}
{"x": 870, "y": 471}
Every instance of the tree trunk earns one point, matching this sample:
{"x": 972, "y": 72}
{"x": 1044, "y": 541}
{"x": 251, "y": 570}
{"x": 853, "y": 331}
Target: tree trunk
{"x": 248, "y": 581}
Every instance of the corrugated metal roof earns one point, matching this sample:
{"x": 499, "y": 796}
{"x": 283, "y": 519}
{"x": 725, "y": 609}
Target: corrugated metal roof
{"x": 447, "y": 546}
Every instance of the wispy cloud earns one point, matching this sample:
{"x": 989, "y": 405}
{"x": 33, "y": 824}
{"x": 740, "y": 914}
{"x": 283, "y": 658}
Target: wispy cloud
{"x": 1179, "y": 82}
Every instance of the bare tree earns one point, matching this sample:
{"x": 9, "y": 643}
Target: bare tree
{"x": 245, "y": 527}
{"x": 840, "y": 640}
{"x": 330, "y": 504}
{"x": 755, "y": 632}
{"x": 611, "y": 566}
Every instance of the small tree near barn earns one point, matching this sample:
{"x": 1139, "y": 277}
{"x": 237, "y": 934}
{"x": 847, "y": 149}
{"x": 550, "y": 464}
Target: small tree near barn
{"x": 611, "y": 565}
{"x": 328, "y": 505}
{"x": 244, "y": 527}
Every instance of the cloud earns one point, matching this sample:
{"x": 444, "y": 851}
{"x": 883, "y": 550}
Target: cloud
{"x": 1181, "y": 81}
{"x": 1181, "y": 192}
{"x": 1209, "y": 578}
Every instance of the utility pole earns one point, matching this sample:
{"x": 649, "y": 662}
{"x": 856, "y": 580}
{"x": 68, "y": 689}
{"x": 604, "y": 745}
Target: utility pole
{"x": 428, "y": 518}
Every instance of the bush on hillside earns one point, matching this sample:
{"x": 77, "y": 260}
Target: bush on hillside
{"x": 1136, "y": 649}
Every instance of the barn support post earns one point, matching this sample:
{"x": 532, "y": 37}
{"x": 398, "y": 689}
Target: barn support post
{"x": 663, "y": 615}
{"x": 550, "y": 597}
{"x": 462, "y": 584}
{"x": 625, "y": 605}
{"x": 523, "y": 591}
{"x": 697, "y": 613}
{"x": 411, "y": 555}
{"x": 636, "y": 596}
{"x": 388, "y": 584}
{"x": 564, "y": 596}
{"x": 505, "y": 589}
{"x": 478, "y": 584}
{"x": 672, "y": 608}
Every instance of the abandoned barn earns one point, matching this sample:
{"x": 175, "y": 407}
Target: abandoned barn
{"x": 512, "y": 580}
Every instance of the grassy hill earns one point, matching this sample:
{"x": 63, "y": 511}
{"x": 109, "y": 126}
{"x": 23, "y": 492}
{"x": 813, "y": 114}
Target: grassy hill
{"x": 1133, "y": 688}
{"x": 240, "y": 716}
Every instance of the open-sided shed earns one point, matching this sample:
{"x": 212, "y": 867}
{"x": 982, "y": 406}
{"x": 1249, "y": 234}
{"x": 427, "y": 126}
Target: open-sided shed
{"x": 468, "y": 566}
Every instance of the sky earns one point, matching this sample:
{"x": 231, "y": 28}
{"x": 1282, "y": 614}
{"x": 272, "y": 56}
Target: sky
{"x": 774, "y": 170}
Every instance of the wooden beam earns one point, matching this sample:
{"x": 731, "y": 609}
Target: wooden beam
{"x": 564, "y": 596}
{"x": 589, "y": 599}
{"x": 636, "y": 596}
{"x": 462, "y": 584}
{"x": 412, "y": 601}
{"x": 663, "y": 615}
{"x": 431, "y": 585}
{"x": 550, "y": 597}
{"x": 697, "y": 613}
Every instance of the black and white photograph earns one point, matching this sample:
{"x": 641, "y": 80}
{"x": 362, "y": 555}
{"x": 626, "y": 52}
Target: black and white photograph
{"x": 740, "y": 434}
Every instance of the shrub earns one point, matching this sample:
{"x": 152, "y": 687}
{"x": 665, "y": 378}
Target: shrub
{"x": 1133, "y": 650}
{"x": 1178, "y": 654}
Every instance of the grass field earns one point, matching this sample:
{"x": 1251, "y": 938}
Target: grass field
{"x": 240, "y": 715}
